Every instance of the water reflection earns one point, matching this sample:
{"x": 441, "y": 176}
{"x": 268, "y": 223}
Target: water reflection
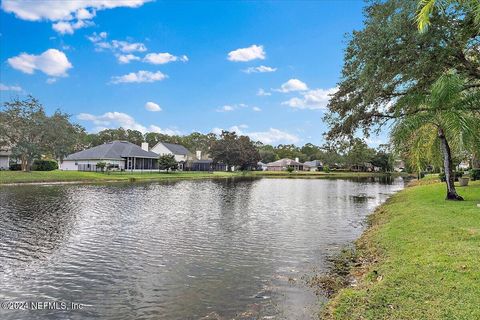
{"x": 177, "y": 250}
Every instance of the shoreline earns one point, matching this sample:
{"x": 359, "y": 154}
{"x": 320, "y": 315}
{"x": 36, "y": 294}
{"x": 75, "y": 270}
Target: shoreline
{"x": 377, "y": 276}
{"x": 16, "y": 178}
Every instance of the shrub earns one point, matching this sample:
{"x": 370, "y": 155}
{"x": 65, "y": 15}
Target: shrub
{"x": 475, "y": 174}
{"x": 290, "y": 169}
{"x": 15, "y": 167}
{"x": 326, "y": 168}
{"x": 44, "y": 165}
{"x": 101, "y": 165}
{"x": 457, "y": 175}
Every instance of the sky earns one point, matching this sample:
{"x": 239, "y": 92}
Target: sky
{"x": 263, "y": 69}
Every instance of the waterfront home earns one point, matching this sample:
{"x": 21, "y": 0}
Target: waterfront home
{"x": 261, "y": 166}
{"x": 283, "y": 164}
{"x": 315, "y": 165}
{"x": 5, "y": 159}
{"x": 119, "y": 155}
{"x": 399, "y": 165}
{"x": 205, "y": 165}
{"x": 180, "y": 152}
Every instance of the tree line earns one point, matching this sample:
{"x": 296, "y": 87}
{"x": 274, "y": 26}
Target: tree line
{"x": 31, "y": 134}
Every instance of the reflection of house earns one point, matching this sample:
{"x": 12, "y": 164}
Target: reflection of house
{"x": 5, "y": 159}
{"x": 122, "y": 155}
{"x": 399, "y": 166}
{"x": 283, "y": 164}
{"x": 315, "y": 165}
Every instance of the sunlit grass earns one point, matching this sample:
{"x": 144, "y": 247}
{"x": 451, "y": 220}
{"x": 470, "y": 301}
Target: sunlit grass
{"x": 421, "y": 259}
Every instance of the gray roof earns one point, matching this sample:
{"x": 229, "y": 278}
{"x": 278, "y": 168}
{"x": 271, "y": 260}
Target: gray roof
{"x": 115, "y": 150}
{"x": 284, "y": 163}
{"x": 314, "y": 163}
{"x": 176, "y": 148}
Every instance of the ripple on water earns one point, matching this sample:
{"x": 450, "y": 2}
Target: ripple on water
{"x": 177, "y": 250}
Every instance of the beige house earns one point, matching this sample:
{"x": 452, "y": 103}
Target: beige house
{"x": 283, "y": 164}
{"x": 5, "y": 159}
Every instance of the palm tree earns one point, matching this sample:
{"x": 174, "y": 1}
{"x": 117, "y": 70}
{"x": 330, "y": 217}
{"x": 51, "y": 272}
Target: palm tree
{"x": 446, "y": 119}
{"x": 427, "y": 7}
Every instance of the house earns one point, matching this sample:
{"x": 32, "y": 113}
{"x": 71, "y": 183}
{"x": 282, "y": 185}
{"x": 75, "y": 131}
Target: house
{"x": 283, "y": 164}
{"x": 315, "y": 165}
{"x": 399, "y": 166}
{"x": 261, "y": 166}
{"x": 180, "y": 152}
{"x": 205, "y": 165}
{"x": 121, "y": 155}
{"x": 5, "y": 159}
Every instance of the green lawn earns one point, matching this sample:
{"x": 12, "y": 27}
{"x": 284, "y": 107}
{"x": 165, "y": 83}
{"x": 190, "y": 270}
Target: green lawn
{"x": 65, "y": 176}
{"x": 70, "y": 176}
{"x": 420, "y": 259}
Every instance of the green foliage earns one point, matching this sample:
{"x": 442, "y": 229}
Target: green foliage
{"x": 326, "y": 168}
{"x": 31, "y": 133}
{"x": 234, "y": 150}
{"x": 427, "y": 8}
{"x": 44, "y": 165}
{"x": 15, "y": 167}
{"x": 167, "y": 162}
{"x": 475, "y": 174}
{"x": 388, "y": 60}
{"x": 290, "y": 169}
{"x": 101, "y": 165}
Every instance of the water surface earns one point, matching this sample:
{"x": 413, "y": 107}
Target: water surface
{"x": 233, "y": 248}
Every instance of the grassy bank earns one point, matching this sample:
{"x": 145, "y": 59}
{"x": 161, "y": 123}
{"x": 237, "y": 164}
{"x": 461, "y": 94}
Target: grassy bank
{"x": 8, "y": 177}
{"x": 420, "y": 259}
{"x": 74, "y": 176}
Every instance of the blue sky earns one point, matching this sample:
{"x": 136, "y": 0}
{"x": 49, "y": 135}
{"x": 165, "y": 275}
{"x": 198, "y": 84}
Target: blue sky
{"x": 264, "y": 69}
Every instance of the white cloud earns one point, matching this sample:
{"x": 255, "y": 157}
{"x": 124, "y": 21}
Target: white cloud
{"x": 162, "y": 58}
{"x": 125, "y": 46}
{"x": 116, "y": 119}
{"x": 312, "y": 99}
{"x": 10, "y": 88}
{"x": 69, "y": 15}
{"x": 293, "y": 85}
{"x": 270, "y": 137}
{"x": 51, "y": 62}
{"x": 66, "y": 27}
{"x": 152, "y": 106}
{"x": 51, "y": 80}
{"x": 260, "y": 69}
{"x": 126, "y": 58}
{"x": 274, "y": 136}
{"x": 231, "y": 107}
{"x": 139, "y": 77}
{"x": 97, "y": 37}
{"x": 256, "y": 109}
{"x": 116, "y": 46}
{"x": 262, "y": 92}
{"x": 247, "y": 54}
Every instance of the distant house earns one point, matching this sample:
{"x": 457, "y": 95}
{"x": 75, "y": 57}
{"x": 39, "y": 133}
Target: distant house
{"x": 283, "y": 164}
{"x": 5, "y": 159}
{"x": 180, "y": 152}
{"x": 399, "y": 166}
{"x": 205, "y": 165}
{"x": 261, "y": 166}
{"x": 121, "y": 155}
{"x": 315, "y": 165}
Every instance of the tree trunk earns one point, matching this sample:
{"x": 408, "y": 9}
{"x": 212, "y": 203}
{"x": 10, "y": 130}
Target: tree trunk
{"x": 447, "y": 165}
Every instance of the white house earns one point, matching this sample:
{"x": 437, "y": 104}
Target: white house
{"x": 121, "y": 155}
{"x": 180, "y": 152}
{"x": 5, "y": 159}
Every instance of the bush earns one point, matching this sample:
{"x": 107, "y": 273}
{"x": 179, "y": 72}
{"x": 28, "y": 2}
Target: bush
{"x": 475, "y": 174}
{"x": 290, "y": 169}
{"x": 326, "y": 168}
{"x": 44, "y": 165}
{"x": 15, "y": 167}
{"x": 457, "y": 175}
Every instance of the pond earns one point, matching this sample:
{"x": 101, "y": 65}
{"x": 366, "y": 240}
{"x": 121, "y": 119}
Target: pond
{"x": 212, "y": 249}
